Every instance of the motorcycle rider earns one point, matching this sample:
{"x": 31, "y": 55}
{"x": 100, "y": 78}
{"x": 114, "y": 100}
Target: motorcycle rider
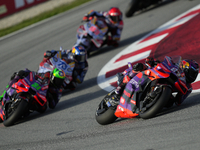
{"x": 113, "y": 19}
{"x": 76, "y": 55}
{"x": 190, "y": 69}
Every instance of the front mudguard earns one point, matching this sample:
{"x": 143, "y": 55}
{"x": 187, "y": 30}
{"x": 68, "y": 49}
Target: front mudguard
{"x": 105, "y": 115}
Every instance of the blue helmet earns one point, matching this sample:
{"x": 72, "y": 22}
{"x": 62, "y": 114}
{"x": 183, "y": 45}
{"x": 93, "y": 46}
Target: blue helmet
{"x": 79, "y": 53}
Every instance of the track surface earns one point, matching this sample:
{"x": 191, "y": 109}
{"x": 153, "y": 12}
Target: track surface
{"x": 71, "y": 125}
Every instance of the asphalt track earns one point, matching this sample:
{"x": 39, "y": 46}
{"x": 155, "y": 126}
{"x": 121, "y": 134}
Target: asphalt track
{"x": 71, "y": 125}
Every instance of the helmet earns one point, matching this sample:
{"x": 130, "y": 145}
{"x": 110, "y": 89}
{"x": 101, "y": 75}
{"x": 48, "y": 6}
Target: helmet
{"x": 149, "y": 61}
{"x": 191, "y": 70}
{"x": 114, "y": 15}
{"x": 79, "y": 53}
{"x": 57, "y": 77}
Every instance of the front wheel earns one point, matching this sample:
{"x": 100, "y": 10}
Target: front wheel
{"x": 105, "y": 115}
{"x": 155, "y": 106}
{"x": 14, "y": 113}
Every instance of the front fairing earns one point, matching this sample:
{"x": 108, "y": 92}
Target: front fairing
{"x": 29, "y": 85}
{"x": 96, "y": 29}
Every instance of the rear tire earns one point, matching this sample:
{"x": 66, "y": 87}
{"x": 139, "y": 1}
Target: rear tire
{"x": 20, "y": 110}
{"x": 158, "y": 106}
{"x": 132, "y": 8}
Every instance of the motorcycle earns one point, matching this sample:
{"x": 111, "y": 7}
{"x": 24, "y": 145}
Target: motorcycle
{"x": 93, "y": 34}
{"x": 136, "y": 5}
{"x": 22, "y": 98}
{"x": 58, "y": 62}
{"x": 153, "y": 91}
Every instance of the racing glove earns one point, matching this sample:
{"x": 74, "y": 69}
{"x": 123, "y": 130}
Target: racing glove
{"x": 139, "y": 67}
{"x": 49, "y": 54}
{"x": 87, "y": 16}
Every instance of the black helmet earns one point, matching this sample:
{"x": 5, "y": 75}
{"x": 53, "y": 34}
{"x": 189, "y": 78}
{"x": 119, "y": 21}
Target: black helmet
{"x": 191, "y": 69}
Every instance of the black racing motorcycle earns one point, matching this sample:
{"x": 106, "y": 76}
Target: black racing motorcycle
{"x": 136, "y": 5}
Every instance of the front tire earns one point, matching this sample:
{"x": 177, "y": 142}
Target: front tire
{"x": 105, "y": 115}
{"x": 159, "y": 104}
{"x": 17, "y": 113}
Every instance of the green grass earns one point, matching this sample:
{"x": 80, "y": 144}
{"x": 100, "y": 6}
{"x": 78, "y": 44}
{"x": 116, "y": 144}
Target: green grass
{"x": 42, "y": 16}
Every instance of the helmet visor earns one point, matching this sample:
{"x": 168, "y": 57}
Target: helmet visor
{"x": 79, "y": 58}
{"x": 114, "y": 18}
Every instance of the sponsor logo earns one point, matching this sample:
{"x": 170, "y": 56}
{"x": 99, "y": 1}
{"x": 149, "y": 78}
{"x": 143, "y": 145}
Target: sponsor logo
{"x": 164, "y": 68}
{"x": 120, "y": 108}
{"x": 135, "y": 83}
{"x": 133, "y": 102}
{"x": 45, "y": 87}
{"x": 122, "y": 100}
{"x": 22, "y": 3}
{"x": 55, "y": 59}
{"x": 3, "y": 9}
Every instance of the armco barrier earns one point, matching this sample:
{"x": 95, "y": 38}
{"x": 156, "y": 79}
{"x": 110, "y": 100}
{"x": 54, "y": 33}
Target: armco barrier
{"x": 8, "y": 7}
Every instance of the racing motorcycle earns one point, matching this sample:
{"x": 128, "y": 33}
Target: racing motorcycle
{"x": 22, "y": 98}
{"x": 58, "y": 62}
{"x": 136, "y": 5}
{"x": 93, "y": 34}
{"x": 154, "y": 88}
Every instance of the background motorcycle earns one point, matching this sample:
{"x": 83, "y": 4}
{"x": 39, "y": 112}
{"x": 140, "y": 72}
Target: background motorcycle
{"x": 57, "y": 62}
{"x": 136, "y": 5}
{"x": 93, "y": 34}
{"x": 156, "y": 87}
{"x": 23, "y": 97}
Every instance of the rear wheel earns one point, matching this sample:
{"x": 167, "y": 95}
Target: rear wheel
{"x": 13, "y": 113}
{"x": 149, "y": 109}
{"x": 132, "y": 8}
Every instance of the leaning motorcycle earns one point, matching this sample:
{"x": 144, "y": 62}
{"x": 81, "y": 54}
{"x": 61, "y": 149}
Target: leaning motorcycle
{"x": 93, "y": 34}
{"x": 154, "y": 88}
{"x": 58, "y": 62}
{"x": 136, "y": 5}
{"x": 23, "y": 97}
